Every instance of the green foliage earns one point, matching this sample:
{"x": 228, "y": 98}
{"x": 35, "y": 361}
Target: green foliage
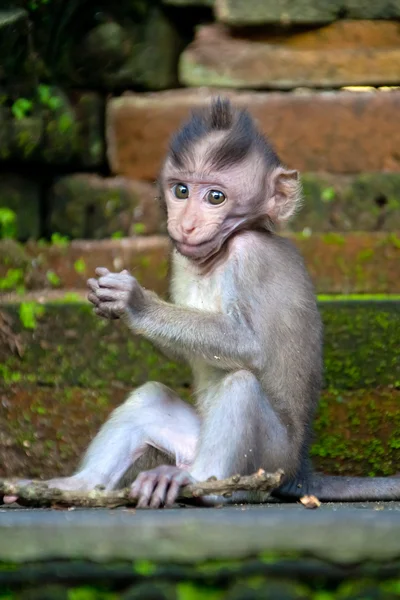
{"x": 80, "y": 266}
{"x": 47, "y": 99}
{"x": 328, "y": 194}
{"x": 144, "y": 567}
{"x": 53, "y": 278}
{"x": 12, "y": 279}
{"x": 139, "y": 228}
{"x": 8, "y": 223}
{"x": 65, "y": 122}
{"x": 117, "y": 235}
{"x": 35, "y": 4}
{"x": 29, "y": 312}
{"x": 59, "y": 240}
{"x": 22, "y": 108}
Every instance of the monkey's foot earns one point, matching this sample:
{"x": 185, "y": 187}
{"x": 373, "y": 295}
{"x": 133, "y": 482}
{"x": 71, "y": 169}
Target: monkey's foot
{"x": 159, "y": 486}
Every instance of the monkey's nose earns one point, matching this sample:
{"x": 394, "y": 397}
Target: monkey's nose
{"x": 188, "y": 229}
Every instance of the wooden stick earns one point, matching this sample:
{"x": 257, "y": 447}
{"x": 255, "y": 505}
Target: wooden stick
{"x": 37, "y": 494}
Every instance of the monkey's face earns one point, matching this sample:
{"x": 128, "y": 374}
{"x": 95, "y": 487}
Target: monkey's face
{"x": 206, "y": 207}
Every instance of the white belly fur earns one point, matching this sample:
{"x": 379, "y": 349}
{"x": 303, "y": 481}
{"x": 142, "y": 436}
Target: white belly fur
{"x": 203, "y": 292}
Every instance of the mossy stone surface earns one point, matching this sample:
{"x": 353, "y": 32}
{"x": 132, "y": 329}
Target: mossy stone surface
{"x": 44, "y": 430}
{"x": 68, "y": 345}
{"x": 340, "y": 203}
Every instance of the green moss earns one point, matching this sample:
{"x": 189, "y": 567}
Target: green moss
{"x": 80, "y": 266}
{"x": 371, "y": 420}
{"x": 29, "y": 312}
{"x": 333, "y": 238}
{"x": 144, "y": 567}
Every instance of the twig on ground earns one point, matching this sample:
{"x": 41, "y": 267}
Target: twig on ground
{"x": 37, "y": 494}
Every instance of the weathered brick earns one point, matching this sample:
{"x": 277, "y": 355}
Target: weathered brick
{"x": 93, "y": 207}
{"x": 352, "y": 263}
{"x": 59, "y": 266}
{"x": 339, "y": 132}
{"x": 365, "y": 202}
{"x": 341, "y": 54}
{"x": 256, "y": 12}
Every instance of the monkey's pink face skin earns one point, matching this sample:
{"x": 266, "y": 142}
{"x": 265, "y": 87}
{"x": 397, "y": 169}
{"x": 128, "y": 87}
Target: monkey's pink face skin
{"x": 204, "y": 209}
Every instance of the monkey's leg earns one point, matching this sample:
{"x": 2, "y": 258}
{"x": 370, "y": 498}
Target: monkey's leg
{"x": 152, "y": 417}
{"x": 241, "y": 432}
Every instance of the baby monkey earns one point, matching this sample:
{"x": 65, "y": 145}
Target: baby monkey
{"x": 243, "y": 315}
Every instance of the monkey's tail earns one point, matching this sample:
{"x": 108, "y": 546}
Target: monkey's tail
{"x": 331, "y": 488}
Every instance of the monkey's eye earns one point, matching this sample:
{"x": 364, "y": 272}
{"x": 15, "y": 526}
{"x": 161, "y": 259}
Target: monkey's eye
{"x": 180, "y": 191}
{"x": 215, "y": 197}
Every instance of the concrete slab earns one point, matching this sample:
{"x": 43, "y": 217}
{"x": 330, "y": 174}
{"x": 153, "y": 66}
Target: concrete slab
{"x": 340, "y": 533}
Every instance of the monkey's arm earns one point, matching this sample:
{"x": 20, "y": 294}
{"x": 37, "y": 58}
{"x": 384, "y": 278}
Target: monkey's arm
{"x": 216, "y": 338}
{"x": 220, "y": 339}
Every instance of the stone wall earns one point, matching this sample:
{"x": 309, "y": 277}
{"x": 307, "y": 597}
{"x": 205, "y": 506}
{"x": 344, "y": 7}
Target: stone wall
{"x": 90, "y": 93}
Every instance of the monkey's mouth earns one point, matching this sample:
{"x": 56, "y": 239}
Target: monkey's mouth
{"x": 195, "y": 251}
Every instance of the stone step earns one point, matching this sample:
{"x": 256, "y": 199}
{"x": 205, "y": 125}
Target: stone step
{"x": 337, "y": 132}
{"x": 64, "y": 343}
{"x": 44, "y": 429}
{"x": 338, "y": 263}
{"x": 346, "y": 53}
{"x": 269, "y": 552}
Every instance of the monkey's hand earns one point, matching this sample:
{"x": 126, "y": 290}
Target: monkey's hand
{"x": 159, "y": 486}
{"x": 114, "y": 294}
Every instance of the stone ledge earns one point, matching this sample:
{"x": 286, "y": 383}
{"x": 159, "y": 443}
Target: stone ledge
{"x": 347, "y": 536}
{"x": 336, "y": 132}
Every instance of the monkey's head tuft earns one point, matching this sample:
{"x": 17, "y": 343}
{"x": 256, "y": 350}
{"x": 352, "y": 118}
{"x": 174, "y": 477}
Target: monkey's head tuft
{"x": 222, "y": 176}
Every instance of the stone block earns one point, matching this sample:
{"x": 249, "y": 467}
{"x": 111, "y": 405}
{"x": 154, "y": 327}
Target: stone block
{"x": 257, "y": 12}
{"x": 341, "y": 54}
{"x": 343, "y": 203}
{"x": 53, "y": 128}
{"x": 94, "y": 207}
{"x": 22, "y": 196}
{"x": 353, "y": 263}
{"x": 350, "y": 263}
{"x": 61, "y": 266}
{"x": 137, "y": 49}
{"x": 337, "y": 132}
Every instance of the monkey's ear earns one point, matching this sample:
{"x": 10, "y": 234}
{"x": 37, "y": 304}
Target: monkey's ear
{"x": 285, "y": 194}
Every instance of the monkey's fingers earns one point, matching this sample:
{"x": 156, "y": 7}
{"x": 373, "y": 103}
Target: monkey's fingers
{"x": 101, "y": 271}
{"x": 177, "y": 482}
{"x": 110, "y": 295}
{"x": 92, "y": 297}
{"x": 160, "y": 492}
{"x": 107, "y": 310}
{"x": 117, "y": 281}
{"x": 92, "y": 284}
{"x": 142, "y": 489}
